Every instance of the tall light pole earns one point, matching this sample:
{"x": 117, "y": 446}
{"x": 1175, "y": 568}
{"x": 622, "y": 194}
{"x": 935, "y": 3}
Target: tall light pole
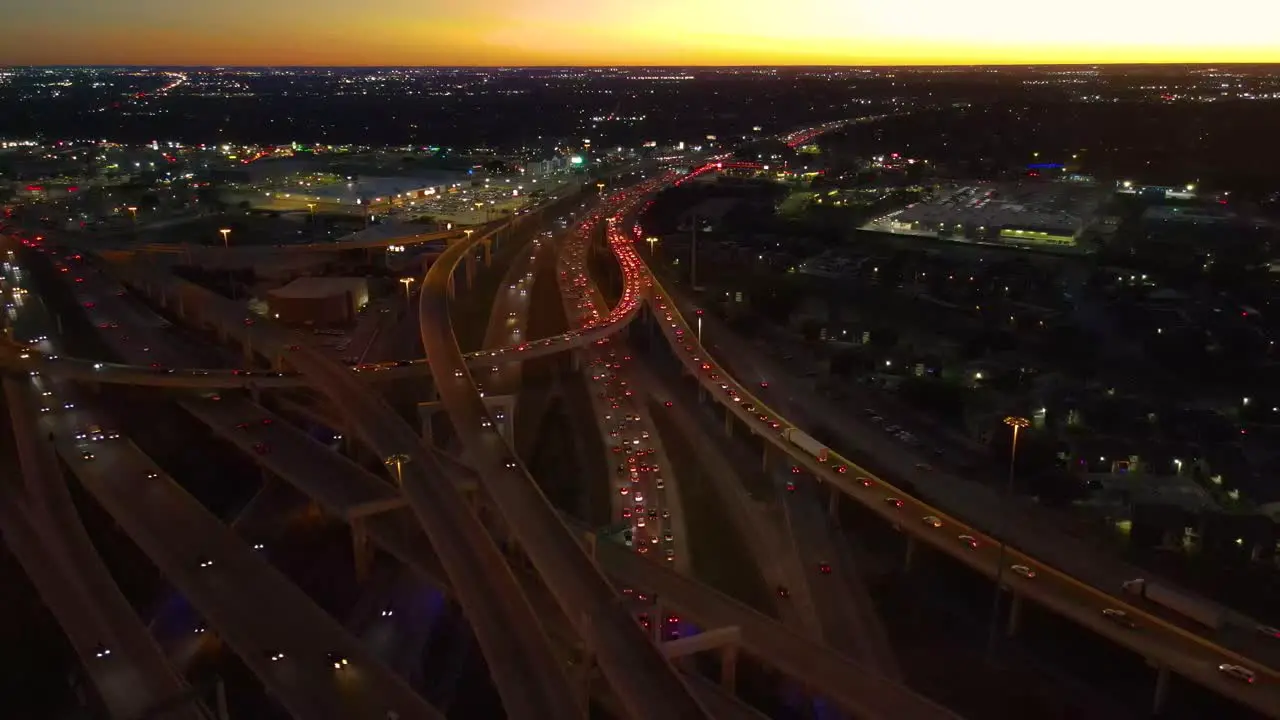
{"x": 311, "y": 219}
{"x": 397, "y": 461}
{"x": 653, "y": 241}
{"x": 693, "y": 254}
{"x": 408, "y": 283}
{"x": 698, "y": 312}
{"x": 1017, "y": 423}
{"x": 226, "y": 245}
{"x": 133, "y": 213}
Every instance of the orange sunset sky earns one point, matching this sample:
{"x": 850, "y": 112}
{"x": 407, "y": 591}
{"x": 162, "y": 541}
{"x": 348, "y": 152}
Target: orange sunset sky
{"x": 617, "y": 32}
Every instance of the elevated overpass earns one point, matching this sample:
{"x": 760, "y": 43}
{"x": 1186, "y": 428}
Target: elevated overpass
{"x": 276, "y": 630}
{"x": 42, "y": 529}
{"x": 1168, "y": 646}
{"x": 520, "y": 659}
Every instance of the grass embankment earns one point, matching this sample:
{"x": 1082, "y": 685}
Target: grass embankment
{"x": 719, "y": 558}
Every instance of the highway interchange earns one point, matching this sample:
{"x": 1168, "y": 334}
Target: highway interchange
{"x": 644, "y": 681}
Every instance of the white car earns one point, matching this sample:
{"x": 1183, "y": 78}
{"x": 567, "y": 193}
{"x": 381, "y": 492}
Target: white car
{"x": 1023, "y": 570}
{"x": 1239, "y": 672}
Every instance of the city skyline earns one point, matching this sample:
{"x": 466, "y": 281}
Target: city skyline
{"x": 663, "y": 32}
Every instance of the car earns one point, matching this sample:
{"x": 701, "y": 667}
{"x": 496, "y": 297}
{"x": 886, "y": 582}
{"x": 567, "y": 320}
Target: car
{"x": 274, "y": 655}
{"x": 824, "y": 568}
{"x": 1269, "y": 631}
{"x": 86, "y": 455}
{"x": 783, "y": 592}
{"x": 1023, "y": 570}
{"x": 865, "y": 482}
{"x": 1239, "y": 672}
{"x": 764, "y": 384}
{"x": 261, "y": 448}
{"x": 486, "y": 423}
{"x": 152, "y": 475}
{"x": 795, "y": 470}
{"x": 969, "y": 540}
{"x": 387, "y": 611}
{"x": 931, "y": 521}
{"x": 671, "y": 555}
{"x": 203, "y": 562}
{"x": 895, "y": 502}
{"x": 338, "y": 661}
{"x": 791, "y": 486}
{"x": 1119, "y": 617}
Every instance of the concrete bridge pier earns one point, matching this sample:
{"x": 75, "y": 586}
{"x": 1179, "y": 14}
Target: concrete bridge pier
{"x": 1015, "y": 615}
{"x": 728, "y": 423}
{"x": 361, "y": 549}
{"x": 833, "y": 506}
{"x": 910, "y": 555}
{"x": 1161, "y": 695}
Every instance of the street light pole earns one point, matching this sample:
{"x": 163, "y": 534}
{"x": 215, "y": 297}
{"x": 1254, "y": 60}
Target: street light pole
{"x": 693, "y": 254}
{"x": 1017, "y": 423}
{"x": 398, "y": 462}
{"x": 408, "y": 283}
{"x": 698, "y": 312}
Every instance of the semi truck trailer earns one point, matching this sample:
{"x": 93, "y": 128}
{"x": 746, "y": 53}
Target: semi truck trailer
{"x": 807, "y": 443}
{"x": 1193, "y": 608}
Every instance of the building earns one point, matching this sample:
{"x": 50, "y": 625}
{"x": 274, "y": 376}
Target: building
{"x": 1035, "y": 214}
{"x": 360, "y": 196}
{"x": 319, "y": 301}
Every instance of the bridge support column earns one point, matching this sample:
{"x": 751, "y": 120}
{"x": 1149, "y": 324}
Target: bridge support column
{"x": 488, "y": 254}
{"x": 1162, "y": 690}
{"x": 450, "y": 288}
{"x": 427, "y": 411}
{"x": 362, "y": 550}
{"x": 910, "y": 555}
{"x": 470, "y": 268}
{"x": 764, "y": 459}
{"x": 729, "y": 667}
{"x": 833, "y": 506}
{"x": 255, "y": 393}
{"x": 728, "y": 423}
{"x": 1015, "y": 615}
{"x": 575, "y": 361}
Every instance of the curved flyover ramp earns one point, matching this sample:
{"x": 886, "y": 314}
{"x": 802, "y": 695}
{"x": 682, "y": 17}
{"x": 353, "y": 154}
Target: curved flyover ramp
{"x": 647, "y": 685}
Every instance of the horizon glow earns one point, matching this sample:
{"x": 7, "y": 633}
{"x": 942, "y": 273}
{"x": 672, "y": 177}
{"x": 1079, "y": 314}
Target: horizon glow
{"x": 655, "y": 32}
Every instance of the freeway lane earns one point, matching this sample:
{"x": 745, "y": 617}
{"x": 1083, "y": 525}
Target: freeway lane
{"x": 646, "y": 683}
{"x": 1185, "y": 653}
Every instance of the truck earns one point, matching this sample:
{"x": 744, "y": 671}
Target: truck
{"x": 805, "y": 442}
{"x": 1190, "y": 607}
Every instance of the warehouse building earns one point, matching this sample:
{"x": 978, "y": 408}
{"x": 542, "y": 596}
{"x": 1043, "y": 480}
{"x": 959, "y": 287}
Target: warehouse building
{"x": 319, "y": 301}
